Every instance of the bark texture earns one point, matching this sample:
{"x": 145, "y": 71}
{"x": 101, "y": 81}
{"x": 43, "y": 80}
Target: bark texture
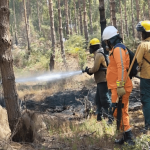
{"x": 149, "y": 8}
{"x": 67, "y": 18}
{"x": 113, "y": 12}
{"x": 61, "y": 35}
{"x": 52, "y": 57}
{"x": 16, "y": 40}
{"x": 38, "y": 13}
{"x": 126, "y": 24}
{"x": 110, "y": 4}
{"x": 80, "y": 14}
{"x": 75, "y": 17}
{"x": 121, "y": 21}
{"x": 102, "y": 21}
{"x": 85, "y": 22}
{"x": 26, "y": 24}
{"x": 138, "y": 16}
{"x": 90, "y": 17}
{"x": 133, "y": 29}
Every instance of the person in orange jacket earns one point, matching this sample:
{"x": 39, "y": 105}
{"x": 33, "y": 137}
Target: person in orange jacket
{"x": 116, "y": 74}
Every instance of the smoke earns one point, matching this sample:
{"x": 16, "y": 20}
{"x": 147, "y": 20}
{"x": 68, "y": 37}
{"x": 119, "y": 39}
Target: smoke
{"x": 51, "y": 77}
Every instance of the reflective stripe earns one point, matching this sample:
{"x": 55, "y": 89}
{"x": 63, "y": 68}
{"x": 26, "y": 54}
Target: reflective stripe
{"x": 121, "y": 63}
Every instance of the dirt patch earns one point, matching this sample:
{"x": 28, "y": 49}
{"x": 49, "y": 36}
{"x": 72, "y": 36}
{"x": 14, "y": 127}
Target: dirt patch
{"x": 4, "y": 126}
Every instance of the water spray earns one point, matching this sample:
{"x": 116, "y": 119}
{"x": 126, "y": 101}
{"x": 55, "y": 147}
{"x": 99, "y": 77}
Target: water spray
{"x": 50, "y": 77}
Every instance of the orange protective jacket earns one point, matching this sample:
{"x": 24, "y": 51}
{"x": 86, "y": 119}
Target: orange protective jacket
{"x": 117, "y": 68}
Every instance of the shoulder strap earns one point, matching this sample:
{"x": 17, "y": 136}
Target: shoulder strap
{"x": 146, "y": 60}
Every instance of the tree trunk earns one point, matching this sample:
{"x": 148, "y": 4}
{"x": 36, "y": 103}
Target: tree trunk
{"x": 102, "y": 21}
{"x": 75, "y": 17}
{"x": 90, "y": 17}
{"x": 80, "y": 13}
{"x": 78, "y": 21}
{"x": 126, "y": 24}
{"x": 28, "y": 16}
{"x": 137, "y": 11}
{"x": 70, "y": 22}
{"x": 149, "y": 8}
{"x": 25, "y": 17}
{"x": 113, "y": 12}
{"x": 110, "y": 4}
{"x": 133, "y": 29}
{"x": 61, "y": 34}
{"x": 52, "y": 57}
{"x": 85, "y": 22}
{"x": 16, "y": 40}
{"x": 121, "y": 21}
{"x": 38, "y": 14}
{"x": 8, "y": 78}
{"x": 144, "y": 14}
{"x": 67, "y": 18}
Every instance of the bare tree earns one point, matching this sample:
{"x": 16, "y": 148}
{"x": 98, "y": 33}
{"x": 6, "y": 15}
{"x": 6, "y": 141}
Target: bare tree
{"x": 80, "y": 14}
{"x": 28, "y": 16}
{"x": 149, "y": 8}
{"x": 113, "y": 12}
{"x": 52, "y": 57}
{"x": 25, "y": 17}
{"x": 121, "y": 20}
{"x": 8, "y": 78}
{"x": 102, "y": 20}
{"x": 132, "y": 19}
{"x": 110, "y": 4}
{"x": 38, "y": 14}
{"x": 70, "y": 18}
{"x": 16, "y": 40}
{"x": 90, "y": 16}
{"x": 85, "y": 21}
{"x": 138, "y": 16}
{"x": 67, "y": 18}
{"x": 126, "y": 24}
{"x": 75, "y": 17}
{"x": 61, "y": 34}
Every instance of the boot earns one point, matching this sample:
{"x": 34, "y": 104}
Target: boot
{"x": 120, "y": 141}
{"x": 99, "y": 117}
{"x": 127, "y": 137}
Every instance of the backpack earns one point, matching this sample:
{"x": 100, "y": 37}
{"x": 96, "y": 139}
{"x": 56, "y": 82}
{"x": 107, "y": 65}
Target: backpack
{"x": 135, "y": 66}
{"x": 107, "y": 62}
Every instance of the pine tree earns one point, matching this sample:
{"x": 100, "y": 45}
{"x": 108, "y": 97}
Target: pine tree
{"x": 85, "y": 21}
{"x": 25, "y": 17}
{"x": 52, "y": 57}
{"x": 61, "y": 34}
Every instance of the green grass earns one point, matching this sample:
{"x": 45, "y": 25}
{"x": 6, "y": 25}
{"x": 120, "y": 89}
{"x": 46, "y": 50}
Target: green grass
{"x": 91, "y": 134}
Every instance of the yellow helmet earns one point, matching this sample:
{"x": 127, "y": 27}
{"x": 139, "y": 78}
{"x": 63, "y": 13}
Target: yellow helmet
{"x": 94, "y": 41}
{"x": 143, "y": 26}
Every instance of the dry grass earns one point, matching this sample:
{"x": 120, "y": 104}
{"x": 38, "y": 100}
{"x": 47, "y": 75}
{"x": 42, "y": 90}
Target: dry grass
{"x": 92, "y": 135}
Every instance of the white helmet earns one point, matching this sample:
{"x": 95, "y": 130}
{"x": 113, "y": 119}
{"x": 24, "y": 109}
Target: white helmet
{"x": 109, "y": 32}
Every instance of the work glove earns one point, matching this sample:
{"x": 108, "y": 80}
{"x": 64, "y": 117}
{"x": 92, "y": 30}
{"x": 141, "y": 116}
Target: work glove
{"x": 87, "y": 71}
{"x": 120, "y": 88}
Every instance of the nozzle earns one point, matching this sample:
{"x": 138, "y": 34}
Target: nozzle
{"x": 83, "y": 71}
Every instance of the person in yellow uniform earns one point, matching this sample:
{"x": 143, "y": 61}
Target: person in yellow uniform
{"x": 143, "y": 59}
{"x": 102, "y": 98}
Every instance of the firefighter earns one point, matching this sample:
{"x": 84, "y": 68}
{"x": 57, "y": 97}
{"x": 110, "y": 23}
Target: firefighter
{"x": 102, "y": 98}
{"x": 143, "y": 59}
{"x": 116, "y": 74}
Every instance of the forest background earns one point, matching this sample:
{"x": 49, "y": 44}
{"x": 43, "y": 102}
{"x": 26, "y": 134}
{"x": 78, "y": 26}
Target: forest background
{"x": 44, "y": 30}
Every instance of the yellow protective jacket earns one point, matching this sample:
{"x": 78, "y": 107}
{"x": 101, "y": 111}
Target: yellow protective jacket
{"x": 100, "y": 76}
{"x": 144, "y": 52}
{"x": 117, "y": 68}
